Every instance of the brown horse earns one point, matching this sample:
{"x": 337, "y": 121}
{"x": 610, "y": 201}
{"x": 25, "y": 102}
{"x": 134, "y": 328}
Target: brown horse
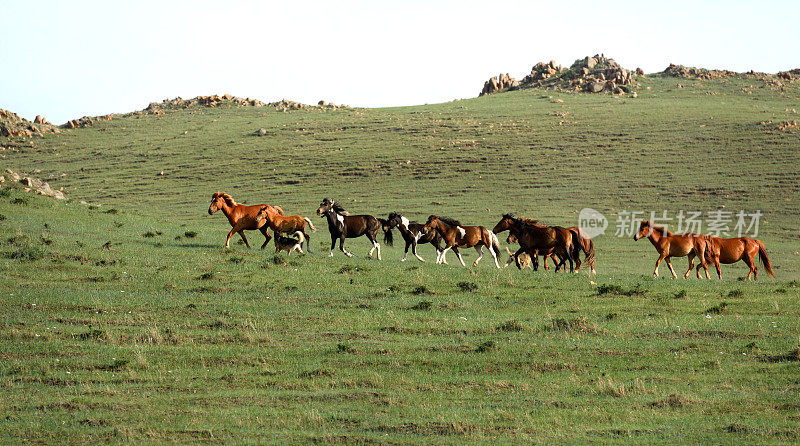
{"x": 671, "y": 245}
{"x": 536, "y": 239}
{"x": 579, "y": 238}
{"x": 240, "y": 216}
{"x": 455, "y": 236}
{"x": 731, "y": 250}
{"x": 286, "y": 224}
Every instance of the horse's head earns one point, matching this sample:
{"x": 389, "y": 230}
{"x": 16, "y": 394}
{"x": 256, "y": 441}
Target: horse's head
{"x": 325, "y": 206}
{"x": 216, "y": 202}
{"x": 504, "y": 224}
{"x": 431, "y": 224}
{"x": 262, "y": 214}
{"x": 511, "y": 238}
{"x": 394, "y": 220}
{"x": 645, "y": 229}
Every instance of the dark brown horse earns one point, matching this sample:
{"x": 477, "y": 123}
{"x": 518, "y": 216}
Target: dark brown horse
{"x": 671, "y": 245}
{"x": 286, "y": 224}
{"x": 456, "y": 235}
{"x": 536, "y": 239}
{"x": 241, "y": 217}
{"x": 413, "y": 233}
{"x": 731, "y": 250}
{"x": 579, "y": 238}
{"x": 342, "y": 225}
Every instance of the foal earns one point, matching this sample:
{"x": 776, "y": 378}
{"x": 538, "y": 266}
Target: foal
{"x": 342, "y": 225}
{"x": 286, "y": 225}
{"x": 241, "y": 217}
{"x": 413, "y": 233}
{"x": 455, "y": 235}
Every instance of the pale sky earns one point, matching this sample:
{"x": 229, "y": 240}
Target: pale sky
{"x": 64, "y": 60}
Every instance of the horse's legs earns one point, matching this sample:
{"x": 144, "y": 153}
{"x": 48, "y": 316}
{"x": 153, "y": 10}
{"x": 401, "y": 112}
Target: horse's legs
{"x": 661, "y": 257}
{"x": 333, "y": 243}
{"x": 341, "y": 246}
{"x": 414, "y": 251}
{"x": 230, "y": 234}
{"x": 443, "y": 257}
{"x": 669, "y": 264}
{"x": 308, "y": 240}
{"x": 406, "y": 251}
{"x": 751, "y": 264}
{"x": 241, "y": 232}
{"x": 691, "y": 266}
{"x": 494, "y": 256}
{"x": 375, "y": 245}
{"x": 263, "y": 230}
{"x": 545, "y": 257}
{"x": 716, "y": 264}
{"x": 480, "y": 255}
{"x": 455, "y": 250}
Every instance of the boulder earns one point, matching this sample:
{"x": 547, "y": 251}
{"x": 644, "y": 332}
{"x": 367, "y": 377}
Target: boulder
{"x": 261, "y": 132}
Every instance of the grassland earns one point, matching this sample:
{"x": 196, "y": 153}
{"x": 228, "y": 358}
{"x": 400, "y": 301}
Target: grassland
{"x": 126, "y": 320}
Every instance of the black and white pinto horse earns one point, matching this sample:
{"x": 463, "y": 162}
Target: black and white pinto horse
{"x": 413, "y": 233}
{"x": 342, "y": 225}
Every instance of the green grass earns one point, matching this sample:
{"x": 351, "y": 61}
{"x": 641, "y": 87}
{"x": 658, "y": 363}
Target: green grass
{"x": 136, "y": 325}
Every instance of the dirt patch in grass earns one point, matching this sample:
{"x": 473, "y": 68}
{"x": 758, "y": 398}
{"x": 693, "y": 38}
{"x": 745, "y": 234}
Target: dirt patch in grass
{"x": 617, "y": 290}
{"x": 792, "y": 356}
{"x": 575, "y": 325}
{"x": 672, "y": 401}
{"x": 421, "y": 289}
{"x": 718, "y": 309}
{"x": 510, "y": 326}
{"x": 467, "y": 286}
{"x": 423, "y": 305}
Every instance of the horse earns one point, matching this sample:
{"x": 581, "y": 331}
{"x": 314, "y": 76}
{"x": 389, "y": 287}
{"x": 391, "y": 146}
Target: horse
{"x": 241, "y": 217}
{"x": 671, "y": 245}
{"x": 526, "y": 258}
{"x": 456, "y": 235}
{"x": 731, "y": 250}
{"x": 286, "y": 225}
{"x": 580, "y": 241}
{"x": 342, "y": 225}
{"x": 538, "y": 239}
{"x": 413, "y": 233}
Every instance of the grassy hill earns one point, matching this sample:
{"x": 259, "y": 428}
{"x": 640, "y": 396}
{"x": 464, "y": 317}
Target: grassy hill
{"x": 127, "y": 320}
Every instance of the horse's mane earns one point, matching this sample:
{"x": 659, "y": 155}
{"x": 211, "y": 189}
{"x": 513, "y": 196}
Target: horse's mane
{"x": 228, "y": 199}
{"x": 520, "y": 220}
{"x": 450, "y": 221}
{"x": 339, "y": 209}
{"x": 658, "y": 228}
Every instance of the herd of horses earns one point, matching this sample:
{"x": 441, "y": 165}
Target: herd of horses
{"x": 555, "y": 243}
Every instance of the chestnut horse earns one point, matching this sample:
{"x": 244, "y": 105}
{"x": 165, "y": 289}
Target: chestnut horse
{"x": 455, "y": 236}
{"x": 342, "y": 225}
{"x": 671, "y": 245}
{"x": 240, "y": 216}
{"x": 536, "y": 239}
{"x": 731, "y": 250}
{"x": 286, "y": 225}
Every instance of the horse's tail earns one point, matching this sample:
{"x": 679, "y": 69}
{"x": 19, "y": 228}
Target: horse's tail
{"x": 388, "y": 236}
{"x": 762, "y": 255}
{"x": 310, "y": 225}
{"x": 279, "y": 209}
{"x": 587, "y": 244}
{"x": 495, "y": 244}
{"x": 300, "y": 235}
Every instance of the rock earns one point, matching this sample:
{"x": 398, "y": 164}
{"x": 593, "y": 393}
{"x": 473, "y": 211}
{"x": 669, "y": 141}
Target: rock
{"x": 261, "y": 132}
{"x": 13, "y": 176}
{"x": 595, "y": 87}
{"x": 639, "y": 72}
{"x": 634, "y": 95}
{"x": 590, "y": 62}
{"x": 558, "y": 100}
{"x": 322, "y": 103}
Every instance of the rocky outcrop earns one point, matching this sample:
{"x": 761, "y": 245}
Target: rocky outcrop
{"x": 790, "y": 75}
{"x": 499, "y": 83}
{"x": 591, "y": 74}
{"x": 13, "y": 125}
{"x": 696, "y": 73}
{"x": 35, "y": 185}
